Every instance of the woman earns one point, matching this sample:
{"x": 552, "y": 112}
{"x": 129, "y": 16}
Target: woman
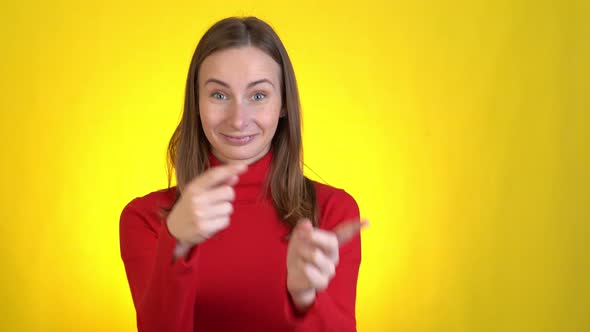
{"x": 244, "y": 242}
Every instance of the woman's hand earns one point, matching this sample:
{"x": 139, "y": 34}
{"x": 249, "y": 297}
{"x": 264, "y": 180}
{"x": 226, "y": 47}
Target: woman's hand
{"x": 204, "y": 207}
{"x": 312, "y": 257}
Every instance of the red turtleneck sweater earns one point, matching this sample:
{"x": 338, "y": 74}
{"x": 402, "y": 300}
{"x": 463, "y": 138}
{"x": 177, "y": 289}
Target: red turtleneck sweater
{"x": 235, "y": 281}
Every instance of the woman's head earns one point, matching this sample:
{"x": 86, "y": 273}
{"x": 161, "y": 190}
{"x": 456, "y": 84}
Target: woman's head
{"x": 239, "y": 102}
{"x": 241, "y": 99}
{"x": 248, "y": 45}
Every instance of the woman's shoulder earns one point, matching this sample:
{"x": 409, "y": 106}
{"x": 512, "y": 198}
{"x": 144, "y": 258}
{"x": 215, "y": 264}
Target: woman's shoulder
{"x": 151, "y": 205}
{"x": 325, "y": 192}
{"x": 335, "y": 205}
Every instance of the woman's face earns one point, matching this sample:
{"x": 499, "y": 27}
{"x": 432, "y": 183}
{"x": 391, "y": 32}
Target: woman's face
{"x": 239, "y": 102}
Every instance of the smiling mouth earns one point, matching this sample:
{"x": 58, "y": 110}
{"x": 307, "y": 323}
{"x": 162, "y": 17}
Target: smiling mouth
{"x": 238, "y": 137}
{"x": 238, "y": 140}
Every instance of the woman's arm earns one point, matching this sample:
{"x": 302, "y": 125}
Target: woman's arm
{"x": 161, "y": 266}
{"x": 161, "y": 285}
{"x": 333, "y": 308}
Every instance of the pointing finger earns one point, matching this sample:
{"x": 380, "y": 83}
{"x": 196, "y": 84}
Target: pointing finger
{"x": 347, "y": 230}
{"x": 218, "y": 175}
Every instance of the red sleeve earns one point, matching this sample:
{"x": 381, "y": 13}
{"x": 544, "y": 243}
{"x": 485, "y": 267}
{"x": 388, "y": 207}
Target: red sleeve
{"x": 334, "y": 308}
{"x": 162, "y": 289}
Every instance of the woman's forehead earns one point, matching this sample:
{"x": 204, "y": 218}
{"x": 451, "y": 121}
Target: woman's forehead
{"x": 239, "y": 66}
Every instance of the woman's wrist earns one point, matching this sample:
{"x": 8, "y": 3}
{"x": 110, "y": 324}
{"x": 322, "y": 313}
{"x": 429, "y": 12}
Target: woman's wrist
{"x": 181, "y": 249}
{"x": 302, "y": 301}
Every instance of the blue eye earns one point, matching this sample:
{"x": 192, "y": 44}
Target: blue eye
{"x": 218, "y": 95}
{"x": 259, "y": 96}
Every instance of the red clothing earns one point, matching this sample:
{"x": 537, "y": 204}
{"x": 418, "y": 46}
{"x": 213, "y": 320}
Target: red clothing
{"x": 236, "y": 280}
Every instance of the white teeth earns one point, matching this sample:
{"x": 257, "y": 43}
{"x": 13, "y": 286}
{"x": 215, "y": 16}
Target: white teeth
{"x": 240, "y": 139}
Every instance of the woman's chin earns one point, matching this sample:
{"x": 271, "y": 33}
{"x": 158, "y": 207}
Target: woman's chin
{"x": 243, "y": 153}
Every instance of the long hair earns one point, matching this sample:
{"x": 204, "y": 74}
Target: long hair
{"x": 293, "y": 194}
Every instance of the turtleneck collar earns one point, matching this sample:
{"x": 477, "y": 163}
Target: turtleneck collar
{"x": 252, "y": 182}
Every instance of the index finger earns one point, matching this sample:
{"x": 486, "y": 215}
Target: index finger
{"x": 347, "y": 230}
{"x": 215, "y": 176}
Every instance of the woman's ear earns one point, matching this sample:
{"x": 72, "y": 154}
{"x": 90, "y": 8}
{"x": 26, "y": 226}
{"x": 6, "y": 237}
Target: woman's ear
{"x": 283, "y": 112}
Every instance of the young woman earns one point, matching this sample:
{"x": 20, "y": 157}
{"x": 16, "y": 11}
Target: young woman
{"x": 244, "y": 242}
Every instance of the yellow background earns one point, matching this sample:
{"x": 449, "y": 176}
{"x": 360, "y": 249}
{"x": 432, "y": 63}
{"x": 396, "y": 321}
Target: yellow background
{"x": 461, "y": 127}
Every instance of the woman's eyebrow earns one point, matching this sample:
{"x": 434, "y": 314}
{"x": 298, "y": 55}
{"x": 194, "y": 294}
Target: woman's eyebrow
{"x": 264, "y": 80}
{"x": 251, "y": 84}
{"x": 213, "y": 80}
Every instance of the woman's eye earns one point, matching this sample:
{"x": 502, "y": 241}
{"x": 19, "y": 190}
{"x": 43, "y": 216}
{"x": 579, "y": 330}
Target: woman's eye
{"x": 259, "y": 96}
{"x": 218, "y": 95}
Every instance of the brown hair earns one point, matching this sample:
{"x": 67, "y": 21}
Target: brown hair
{"x": 293, "y": 194}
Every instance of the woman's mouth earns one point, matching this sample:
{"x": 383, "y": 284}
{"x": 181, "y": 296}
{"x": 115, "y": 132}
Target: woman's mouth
{"x": 238, "y": 139}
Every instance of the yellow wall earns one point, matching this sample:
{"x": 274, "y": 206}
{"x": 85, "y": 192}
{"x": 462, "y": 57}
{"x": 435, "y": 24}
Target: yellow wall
{"x": 461, "y": 127}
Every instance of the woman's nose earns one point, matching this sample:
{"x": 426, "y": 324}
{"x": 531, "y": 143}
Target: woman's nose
{"x": 238, "y": 116}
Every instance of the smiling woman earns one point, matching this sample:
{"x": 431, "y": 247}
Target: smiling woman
{"x": 244, "y": 241}
{"x": 240, "y": 113}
